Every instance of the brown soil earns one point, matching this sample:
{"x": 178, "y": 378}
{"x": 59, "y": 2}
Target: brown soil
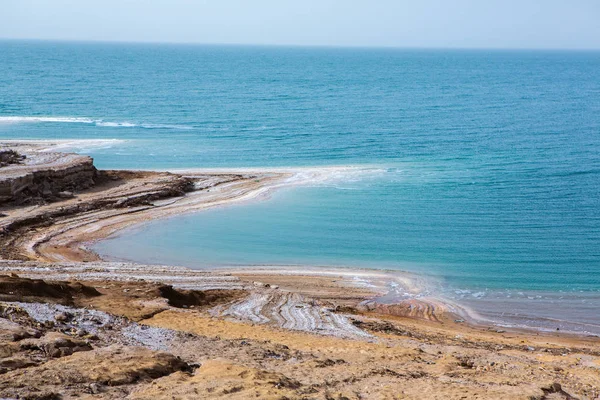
{"x": 213, "y": 357}
{"x": 195, "y": 298}
{"x": 109, "y": 372}
{"x": 14, "y": 288}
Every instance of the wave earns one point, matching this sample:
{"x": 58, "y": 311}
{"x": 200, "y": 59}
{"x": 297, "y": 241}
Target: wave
{"x": 116, "y": 124}
{"x": 348, "y": 177}
{"x": 80, "y": 145}
{"x": 90, "y": 121}
{"x": 17, "y": 119}
{"x": 339, "y": 177}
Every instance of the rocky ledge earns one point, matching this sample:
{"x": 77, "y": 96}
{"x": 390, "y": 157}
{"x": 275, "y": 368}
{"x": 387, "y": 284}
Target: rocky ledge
{"x": 33, "y": 175}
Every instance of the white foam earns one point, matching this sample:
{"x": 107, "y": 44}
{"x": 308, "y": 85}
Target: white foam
{"x": 83, "y": 120}
{"x": 18, "y": 119}
{"x": 341, "y": 178}
{"x": 166, "y": 126}
{"x": 350, "y": 177}
{"x": 82, "y": 145}
{"x": 116, "y": 124}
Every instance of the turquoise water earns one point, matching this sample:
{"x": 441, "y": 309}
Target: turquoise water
{"x": 482, "y": 168}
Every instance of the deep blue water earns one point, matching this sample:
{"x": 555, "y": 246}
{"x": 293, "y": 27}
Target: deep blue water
{"x": 483, "y": 167}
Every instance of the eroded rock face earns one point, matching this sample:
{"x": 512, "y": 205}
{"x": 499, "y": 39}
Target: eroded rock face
{"x": 56, "y": 345}
{"x": 90, "y": 372}
{"x": 8, "y": 157}
{"x": 219, "y": 379}
{"x": 15, "y": 288}
{"x": 45, "y": 176}
{"x": 191, "y": 298}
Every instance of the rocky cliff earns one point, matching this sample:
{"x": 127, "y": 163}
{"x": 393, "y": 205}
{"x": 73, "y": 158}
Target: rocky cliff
{"x": 45, "y": 175}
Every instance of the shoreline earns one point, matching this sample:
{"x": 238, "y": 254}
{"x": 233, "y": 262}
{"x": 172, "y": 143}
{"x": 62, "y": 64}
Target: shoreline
{"x": 71, "y": 236}
{"x": 323, "y": 332}
{"x": 335, "y": 285}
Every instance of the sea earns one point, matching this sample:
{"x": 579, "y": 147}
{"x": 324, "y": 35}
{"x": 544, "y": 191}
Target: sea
{"x": 479, "y": 170}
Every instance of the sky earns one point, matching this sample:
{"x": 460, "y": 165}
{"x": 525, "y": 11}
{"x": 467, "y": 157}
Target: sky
{"x": 544, "y": 24}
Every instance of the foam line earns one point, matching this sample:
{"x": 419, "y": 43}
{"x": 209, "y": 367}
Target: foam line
{"x": 90, "y": 121}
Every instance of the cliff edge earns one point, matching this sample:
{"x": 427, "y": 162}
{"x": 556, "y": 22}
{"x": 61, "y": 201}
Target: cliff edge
{"x": 32, "y": 176}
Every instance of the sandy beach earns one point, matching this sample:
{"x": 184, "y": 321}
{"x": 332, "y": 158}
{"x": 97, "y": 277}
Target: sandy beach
{"x": 255, "y": 332}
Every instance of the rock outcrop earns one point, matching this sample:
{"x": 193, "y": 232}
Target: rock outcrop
{"x": 8, "y": 157}
{"x": 45, "y": 175}
{"x": 15, "y": 288}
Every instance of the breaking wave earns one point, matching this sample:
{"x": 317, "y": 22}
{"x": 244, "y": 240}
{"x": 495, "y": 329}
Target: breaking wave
{"x": 90, "y": 121}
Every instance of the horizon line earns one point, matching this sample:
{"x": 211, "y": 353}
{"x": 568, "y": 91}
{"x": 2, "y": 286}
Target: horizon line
{"x": 323, "y": 46}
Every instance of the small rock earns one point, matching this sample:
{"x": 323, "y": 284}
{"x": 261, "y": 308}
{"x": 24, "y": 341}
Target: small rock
{"x": 65, "y": 351}
{"x": 80, "y": 332}
{"x": 49, "y": 324}
{"x": 54, "y": 353}
{"x": 66, "y": 195}
{"x": 556, "y": 387}
{"x": 62, "y": 316}
{"x": 529, "y": 348}
{"x": 96, "y": 388}
{"x": 124, "y": 202}
{"x": 15, "y": 363}
{"x": 370, "y": 306}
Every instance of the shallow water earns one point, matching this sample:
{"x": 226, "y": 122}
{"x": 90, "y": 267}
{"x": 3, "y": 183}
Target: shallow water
{"x": 481, "y": 168}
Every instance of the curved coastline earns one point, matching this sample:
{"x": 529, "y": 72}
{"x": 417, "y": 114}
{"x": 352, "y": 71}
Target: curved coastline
{"x": 132, "y": 198}
{"x": 359, "y": 324}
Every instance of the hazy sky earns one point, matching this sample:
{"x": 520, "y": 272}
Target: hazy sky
{"x": 416, "y": 23}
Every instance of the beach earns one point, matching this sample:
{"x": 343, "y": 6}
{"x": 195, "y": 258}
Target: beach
{"x": 255, "y": 331}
